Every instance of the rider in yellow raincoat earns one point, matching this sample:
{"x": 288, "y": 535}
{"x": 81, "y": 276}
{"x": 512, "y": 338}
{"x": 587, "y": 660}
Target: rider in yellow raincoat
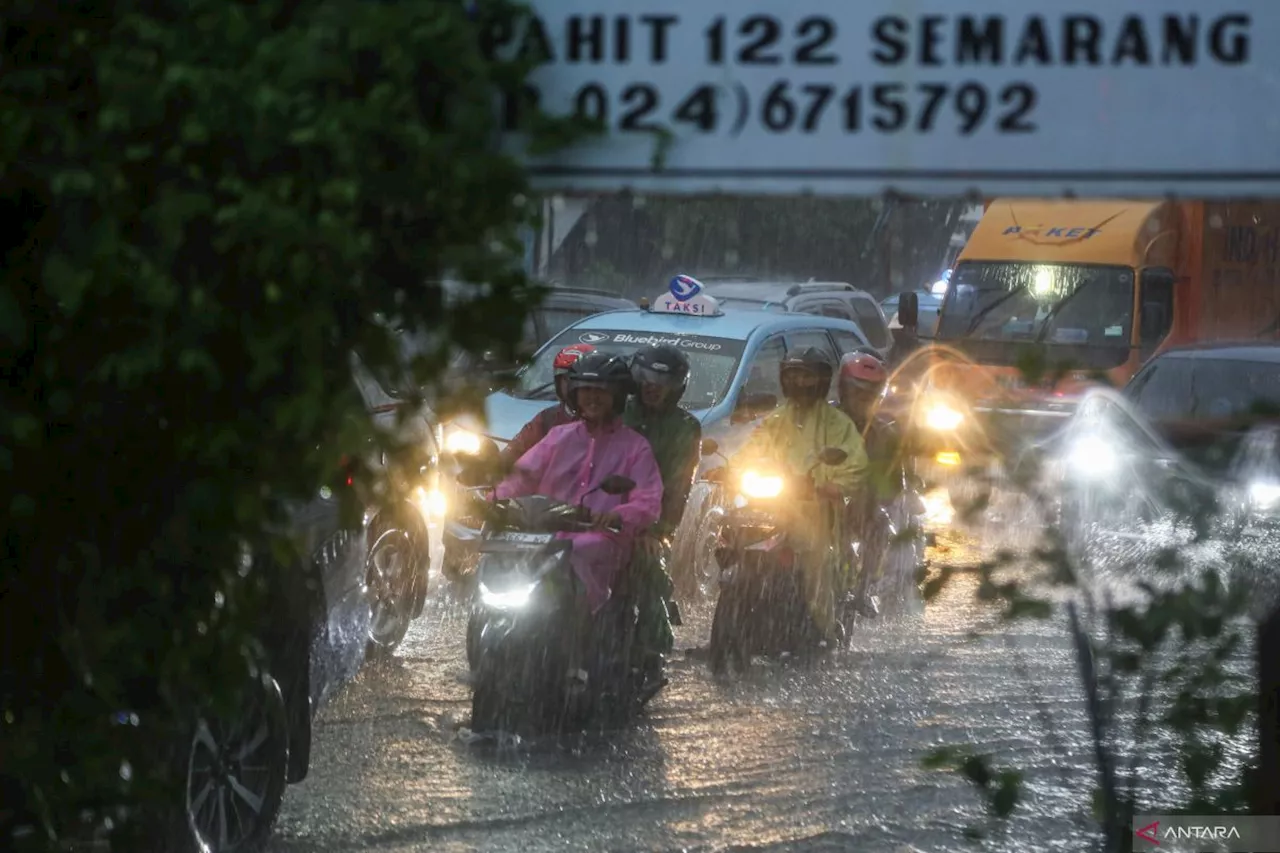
{"x": 791, "y": 438}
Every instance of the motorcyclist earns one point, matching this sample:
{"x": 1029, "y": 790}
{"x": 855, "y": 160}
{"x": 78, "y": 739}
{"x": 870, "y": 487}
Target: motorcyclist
{"x": 862, "y": 383}
{"x": 552, "y": 416}
{"x": 571, "y": 462}
{"x": 792, "y": 436}
{"x": 661, "y": 375}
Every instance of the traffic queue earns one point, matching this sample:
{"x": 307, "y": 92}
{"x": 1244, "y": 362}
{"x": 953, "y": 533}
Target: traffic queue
{"x": 650, "y": 455}
{"x": 782, "y": 456}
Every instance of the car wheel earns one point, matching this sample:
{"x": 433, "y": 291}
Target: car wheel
{"x": 235, "y": 773}
{"x": 389, "y": 575}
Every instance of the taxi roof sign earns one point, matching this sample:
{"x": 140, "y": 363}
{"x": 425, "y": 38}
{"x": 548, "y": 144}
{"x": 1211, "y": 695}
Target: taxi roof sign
{"x": 685, "y": 296}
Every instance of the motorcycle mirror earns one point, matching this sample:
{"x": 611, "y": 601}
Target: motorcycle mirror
{"x": 832, "y": 456}
{"x": 616, "y": 484}
{"x": 709, "y": 446}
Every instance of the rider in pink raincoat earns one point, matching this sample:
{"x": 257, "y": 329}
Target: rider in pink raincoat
{"x": 575, "y": 458}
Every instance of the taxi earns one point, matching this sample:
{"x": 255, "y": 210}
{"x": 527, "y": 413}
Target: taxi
{"x": 734, "y": 358}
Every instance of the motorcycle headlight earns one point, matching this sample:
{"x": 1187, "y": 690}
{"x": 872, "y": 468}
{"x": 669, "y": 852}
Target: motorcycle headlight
{"x": 431, "y": 502}
{"x": 461, "y": 441}
{"x": 515, "y": 598}
{"x": 942, "y": 417}
{"x": 1264, "y": 494}
{"x": 760, "y": 485}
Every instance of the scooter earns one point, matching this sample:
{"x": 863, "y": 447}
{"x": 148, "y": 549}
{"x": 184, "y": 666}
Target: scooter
{"x": 763, "y": 608}
{"x": 536, "y": 667}
{"x": 889, "y": 551}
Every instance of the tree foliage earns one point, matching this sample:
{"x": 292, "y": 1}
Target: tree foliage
{"x": 209, "y": 203}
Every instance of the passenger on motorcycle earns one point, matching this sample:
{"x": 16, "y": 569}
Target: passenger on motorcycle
{"x": 572, "y": 461}
{"x": 552, "y": 416}
{"x": 862, "y": 383}
{"x": 661, "y": 374}
{"x": 792, "y": 437}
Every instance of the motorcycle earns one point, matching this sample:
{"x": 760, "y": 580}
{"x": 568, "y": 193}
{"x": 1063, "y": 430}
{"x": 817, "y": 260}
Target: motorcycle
{"x": 890, "y": 550}
{"x": 535, "y": 669}
{"x": 764, "y": 607}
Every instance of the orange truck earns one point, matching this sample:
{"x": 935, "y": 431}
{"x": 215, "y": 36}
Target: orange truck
{"x": 1080, "y": 292}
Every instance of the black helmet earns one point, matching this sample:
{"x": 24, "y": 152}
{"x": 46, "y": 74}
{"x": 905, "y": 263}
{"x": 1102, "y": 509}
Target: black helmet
{"x": 664, "y": 365}
{"x": 600, "y": 370}
{"x": 810, "y": 360}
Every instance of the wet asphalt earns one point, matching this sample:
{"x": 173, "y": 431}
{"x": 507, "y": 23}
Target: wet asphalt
{"x": 823, "y": 757}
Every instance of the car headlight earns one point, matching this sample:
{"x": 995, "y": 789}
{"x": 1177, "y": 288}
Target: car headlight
{"x": 515, "y": 598}
{"x": 1264, "y": 494}
{"x": 941, "y": 417}
{"x": 461, "y": 441}
{"x": 758, "y": 485}
{"x": 1093, "y": 457}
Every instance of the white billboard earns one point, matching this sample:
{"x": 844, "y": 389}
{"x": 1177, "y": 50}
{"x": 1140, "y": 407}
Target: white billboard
{"x": 1113, "y": 97}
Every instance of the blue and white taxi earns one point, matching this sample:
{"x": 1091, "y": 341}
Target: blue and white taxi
{"x": 734, "y": 355}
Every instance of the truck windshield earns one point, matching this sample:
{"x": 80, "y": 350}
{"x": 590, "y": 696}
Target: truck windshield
{"x": 1086, "y": 307}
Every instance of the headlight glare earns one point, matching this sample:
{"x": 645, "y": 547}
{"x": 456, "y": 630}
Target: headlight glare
{"x": 461, "y": 441}
{"x": 942, "y": 417}
{"x": 515, "y": 598}
{"x": 1264, "y": 494}
{"x": 758, "y": 485}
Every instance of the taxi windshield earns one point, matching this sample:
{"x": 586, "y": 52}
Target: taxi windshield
{"x": 713, "y": 362}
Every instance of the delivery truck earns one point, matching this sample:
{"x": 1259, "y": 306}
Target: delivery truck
{"x": 1072, "y": 293}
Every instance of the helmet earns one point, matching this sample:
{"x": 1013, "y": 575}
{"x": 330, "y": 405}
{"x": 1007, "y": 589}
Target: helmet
{"x": 600, "y": 370}
{"x": 570, "y": 354}
{"x": 663, "y": 365}
{"x": 810, "y": 360}
{"x": 863, "y": 371}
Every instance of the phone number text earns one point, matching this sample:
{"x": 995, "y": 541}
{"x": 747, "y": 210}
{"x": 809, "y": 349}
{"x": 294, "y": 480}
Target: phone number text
{"x": 810, "y": 108}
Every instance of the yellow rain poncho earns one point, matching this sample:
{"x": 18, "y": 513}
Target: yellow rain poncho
{"x": 791, "y": 438}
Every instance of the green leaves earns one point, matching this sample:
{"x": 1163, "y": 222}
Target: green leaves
{"x": 207, "y": 212}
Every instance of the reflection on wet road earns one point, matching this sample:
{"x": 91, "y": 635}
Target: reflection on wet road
{"x": 821, "y": 759}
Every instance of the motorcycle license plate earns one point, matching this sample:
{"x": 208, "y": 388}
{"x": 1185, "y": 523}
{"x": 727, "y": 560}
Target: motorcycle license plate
{"x": 523, "y": 538}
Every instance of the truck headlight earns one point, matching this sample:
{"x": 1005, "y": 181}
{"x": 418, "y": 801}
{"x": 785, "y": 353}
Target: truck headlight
{"x": 758, "y": 485}
{"x": 942, "y": 417}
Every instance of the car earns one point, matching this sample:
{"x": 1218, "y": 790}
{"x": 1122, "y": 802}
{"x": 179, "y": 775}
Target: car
{"x": 561, "y": 307}
{"x": 235, "y": 765}
{"x": 1196, "y": 422}
{"x": 825, "y": 298}
{"x": 930, "y": 308}
{"x": 735, "y": 356}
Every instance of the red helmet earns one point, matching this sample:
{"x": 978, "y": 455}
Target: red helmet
{"x": 566, "y": 358}
{"x": 863, "y": 371}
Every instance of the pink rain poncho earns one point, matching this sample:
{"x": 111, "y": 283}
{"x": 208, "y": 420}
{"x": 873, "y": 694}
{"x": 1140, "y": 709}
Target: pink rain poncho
{"x": 572, "y": 460}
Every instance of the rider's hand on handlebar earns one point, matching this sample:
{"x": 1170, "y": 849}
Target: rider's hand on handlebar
{"x": 605, "y": 520}
{"x": 714, "y": 475}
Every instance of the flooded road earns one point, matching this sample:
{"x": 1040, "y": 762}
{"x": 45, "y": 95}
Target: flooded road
{"x": 824, "y": 758}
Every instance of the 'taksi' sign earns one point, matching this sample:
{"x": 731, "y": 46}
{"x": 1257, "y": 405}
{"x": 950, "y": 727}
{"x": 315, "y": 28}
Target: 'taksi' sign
{"x": 833, "y": 96}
